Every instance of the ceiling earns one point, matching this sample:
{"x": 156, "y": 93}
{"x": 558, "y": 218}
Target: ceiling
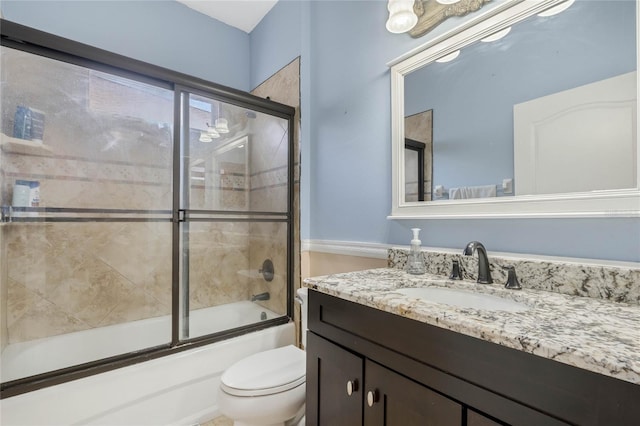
{"x": 242, "y": 14}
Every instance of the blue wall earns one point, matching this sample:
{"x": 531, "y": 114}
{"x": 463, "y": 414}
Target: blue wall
{"x": 163, "y": 33}
{"x": 276, "y": 40}
{"x": 350, "y": 151}
{"x": 345, "y": 106}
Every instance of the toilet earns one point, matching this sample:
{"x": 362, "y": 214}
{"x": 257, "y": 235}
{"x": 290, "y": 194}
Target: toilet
{"x": 267, "y": 388}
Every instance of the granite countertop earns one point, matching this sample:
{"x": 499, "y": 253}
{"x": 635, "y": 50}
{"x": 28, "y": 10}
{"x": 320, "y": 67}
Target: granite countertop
{"x": 593, "y": 334}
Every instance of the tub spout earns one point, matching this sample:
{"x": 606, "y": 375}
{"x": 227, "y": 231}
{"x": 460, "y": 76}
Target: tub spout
{"x": 261, "y": 296}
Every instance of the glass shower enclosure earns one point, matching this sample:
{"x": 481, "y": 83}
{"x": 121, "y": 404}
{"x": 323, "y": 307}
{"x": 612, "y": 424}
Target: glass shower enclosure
{"x": 141, "y": 210}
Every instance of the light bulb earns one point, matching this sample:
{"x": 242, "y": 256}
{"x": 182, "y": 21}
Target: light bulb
{"x": 496, "y": 36}
{"x": 401, "y": 16}
{"x": 557, "y": 9}
{"x": 448, "y": 58}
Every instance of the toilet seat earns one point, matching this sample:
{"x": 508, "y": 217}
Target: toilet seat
{"x": 266, "y": 373}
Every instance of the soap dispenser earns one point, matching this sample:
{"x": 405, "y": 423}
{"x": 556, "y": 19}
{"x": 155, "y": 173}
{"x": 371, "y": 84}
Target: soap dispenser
{"x": 415, "y": 262}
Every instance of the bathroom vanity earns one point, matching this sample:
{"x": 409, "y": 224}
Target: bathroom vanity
{"x": 376, "y": 356}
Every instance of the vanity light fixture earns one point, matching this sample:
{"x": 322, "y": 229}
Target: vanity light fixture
{"x": 448, "y": 58}
{"x": 401, "y": 16}
{"x": 557, "y": 9}
{"x": 447, "y": 1}
{"x": 496, "y": 36}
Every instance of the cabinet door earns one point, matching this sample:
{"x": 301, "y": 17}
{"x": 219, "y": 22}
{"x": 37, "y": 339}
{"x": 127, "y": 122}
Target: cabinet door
{"x": 334, "y": 384}
{"x": 476, "y": 419}
{"x": 394, "y": 400}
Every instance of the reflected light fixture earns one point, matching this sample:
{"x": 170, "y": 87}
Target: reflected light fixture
{"x": 212, "y": 132}
{"x": 222, "y": 126}
{"x": 209, "y": 135}
{"x": 401, "y": 16}
{"x": 557, "y": 9}
{"x": 496, "y": 36}
{"x": 448, "y": 58}
{"x": 204, "y": 137}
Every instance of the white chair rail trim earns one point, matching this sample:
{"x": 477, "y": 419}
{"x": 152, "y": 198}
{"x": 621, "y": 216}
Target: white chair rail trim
{"x": 346, "y": 248}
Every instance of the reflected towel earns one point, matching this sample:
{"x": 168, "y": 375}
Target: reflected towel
{"x": 463, "y": 192}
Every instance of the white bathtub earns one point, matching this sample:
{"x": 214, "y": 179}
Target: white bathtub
{"x": 179, "y": 389}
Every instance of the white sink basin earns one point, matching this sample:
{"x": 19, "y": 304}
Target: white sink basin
{"x": 463, "y": 299}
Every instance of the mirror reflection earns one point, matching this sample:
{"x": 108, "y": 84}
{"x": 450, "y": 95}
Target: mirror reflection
{"x": 547, "y": 108}
{"x": 418, "y": 156}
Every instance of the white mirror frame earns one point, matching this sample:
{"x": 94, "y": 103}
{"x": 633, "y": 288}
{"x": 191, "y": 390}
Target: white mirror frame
{"x": 603, "y": 203}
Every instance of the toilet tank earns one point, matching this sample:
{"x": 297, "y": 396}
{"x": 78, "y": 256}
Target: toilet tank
{"x": 303, "y": 298}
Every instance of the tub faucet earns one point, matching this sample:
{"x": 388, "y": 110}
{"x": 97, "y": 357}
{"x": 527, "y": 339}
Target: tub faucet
{"x": 261, "y": 296}
{"x": 484, "y": 274}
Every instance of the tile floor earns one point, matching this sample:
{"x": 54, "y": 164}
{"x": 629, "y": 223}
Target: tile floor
{"x": 218, "y": 421}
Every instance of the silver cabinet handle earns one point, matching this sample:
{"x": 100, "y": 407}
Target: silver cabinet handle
{"x": 372, "y": 397}
{"x": 352, "y": 386}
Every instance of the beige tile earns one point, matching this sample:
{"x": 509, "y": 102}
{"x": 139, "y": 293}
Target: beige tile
{"x": 92, "y": 292}
{"x": 39, "y": 259}
{"x": 218, "y": 421}
{"x": 135, "y": 305}
{"x": 137, "y": 250}
{"x": 20, "y": 300}
{"x": 43, "y": 320}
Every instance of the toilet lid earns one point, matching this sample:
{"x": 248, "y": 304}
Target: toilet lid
{"x": 266, "y": 373}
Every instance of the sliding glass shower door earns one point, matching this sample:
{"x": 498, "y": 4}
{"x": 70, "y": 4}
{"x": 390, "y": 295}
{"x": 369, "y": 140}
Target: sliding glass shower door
{"x": 87, "y": 196}
{"x": 141, "y": 215}
{"x": 234, "y": 233}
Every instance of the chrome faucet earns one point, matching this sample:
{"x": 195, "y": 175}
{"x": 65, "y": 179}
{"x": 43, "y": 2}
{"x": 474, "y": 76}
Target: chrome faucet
{"x": 261, "y": 296}
{"x": 484, "y": 274}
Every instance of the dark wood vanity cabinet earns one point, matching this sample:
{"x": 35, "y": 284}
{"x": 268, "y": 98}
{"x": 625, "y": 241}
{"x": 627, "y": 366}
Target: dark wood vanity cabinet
{"x": 392, "y": 399}
{"x": 369, "y": 367}
{"x": 352, "y": 390}
{"x": 337, "y": 375}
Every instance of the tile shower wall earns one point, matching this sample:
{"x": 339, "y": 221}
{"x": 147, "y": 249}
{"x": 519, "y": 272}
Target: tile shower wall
{"x": 269, "y": 190}
{"x": 218, "y": 252}
{"x": 65, "y": 277}
{"x": 99, "y": 152}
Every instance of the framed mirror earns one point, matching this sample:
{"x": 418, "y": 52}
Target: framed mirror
{"x": 534, "y": 114}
